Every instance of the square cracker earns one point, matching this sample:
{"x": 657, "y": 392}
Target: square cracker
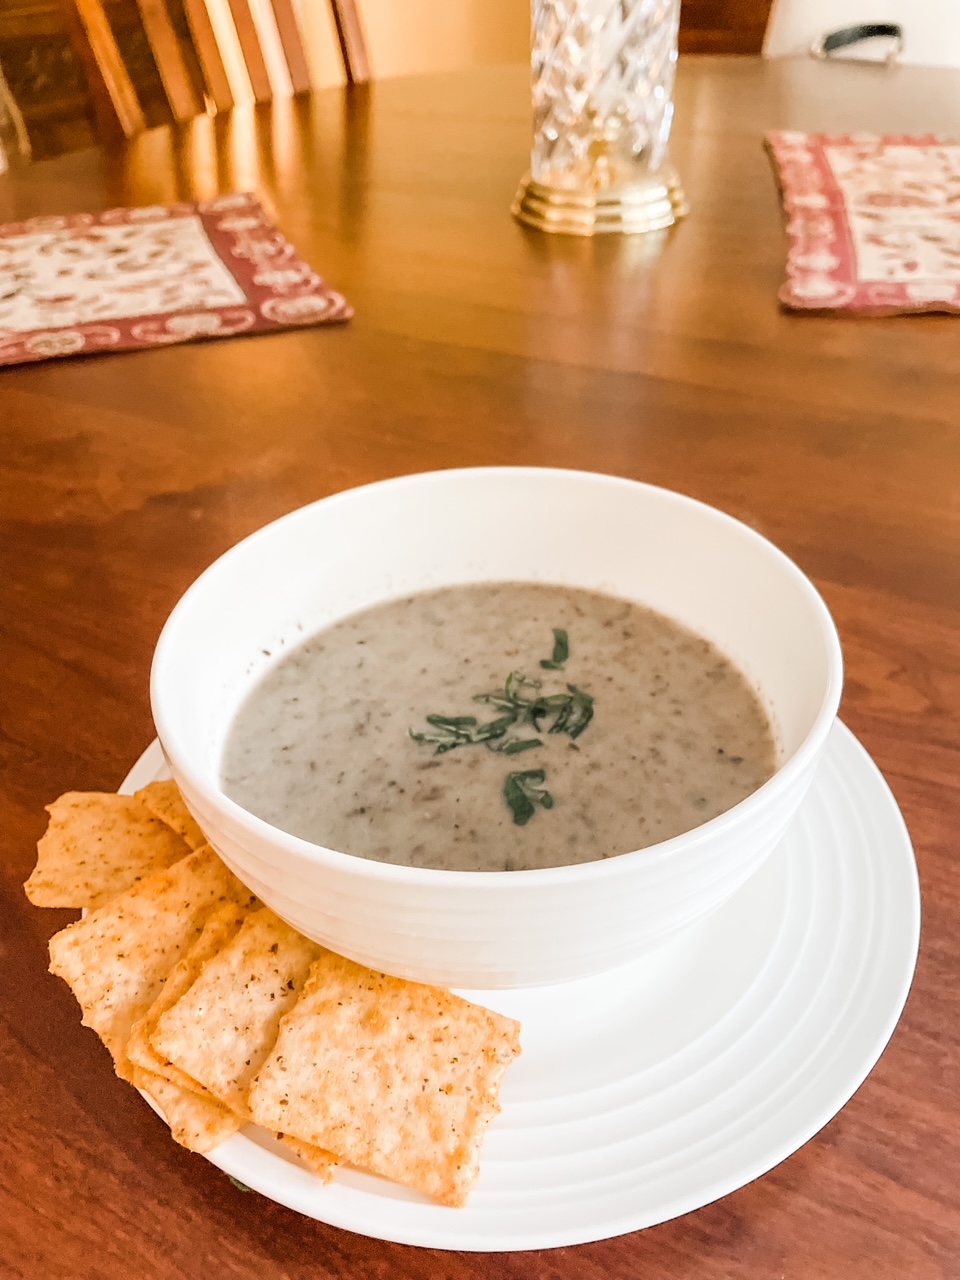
{"x": 221, "y": 1031}
{"x": 220, "y": 927}
{"x": 199, "y": 1124}
{"x": 96, "y": 845}
{"x": 165, "y": 802}
{"x": 198, "y": 1120}
{"x": 117, "y": 958}
{"x": 395, "y": 1077}
{"x": 318, "y": 1161}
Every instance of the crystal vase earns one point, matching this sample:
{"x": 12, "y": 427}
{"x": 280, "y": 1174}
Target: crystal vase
{"x": 603, "y": 75}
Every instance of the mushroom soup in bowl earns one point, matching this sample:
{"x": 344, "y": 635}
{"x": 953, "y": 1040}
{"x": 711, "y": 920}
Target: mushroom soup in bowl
{"x": 527, "y": 696}
{"x": 426, "y": 732}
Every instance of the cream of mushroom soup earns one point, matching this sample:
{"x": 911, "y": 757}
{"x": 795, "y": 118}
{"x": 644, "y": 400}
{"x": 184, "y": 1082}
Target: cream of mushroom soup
{"x": 498, "y": 727}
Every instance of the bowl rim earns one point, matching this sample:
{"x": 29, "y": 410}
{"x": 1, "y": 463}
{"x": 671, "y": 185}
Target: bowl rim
{"x": 334, "y": 860}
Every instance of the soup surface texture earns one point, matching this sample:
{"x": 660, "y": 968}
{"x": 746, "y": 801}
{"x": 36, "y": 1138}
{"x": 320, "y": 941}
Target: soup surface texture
{"x": 639, "y": 731}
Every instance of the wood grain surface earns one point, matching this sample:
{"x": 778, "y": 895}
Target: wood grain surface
{"x": 476, "y": 341}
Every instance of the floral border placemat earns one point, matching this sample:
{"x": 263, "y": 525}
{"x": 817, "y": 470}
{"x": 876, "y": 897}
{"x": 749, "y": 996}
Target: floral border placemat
{"x": 873, "y": 221}
{"x": 133, "y": 278}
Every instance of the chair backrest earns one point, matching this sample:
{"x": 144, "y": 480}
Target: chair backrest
{"x": 723, "y": 26}
{"x": 253, "y": 24}
{"x": 137, "y": 63}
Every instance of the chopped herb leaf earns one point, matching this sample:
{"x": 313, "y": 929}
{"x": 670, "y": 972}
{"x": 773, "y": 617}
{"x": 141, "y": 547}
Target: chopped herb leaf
{"x": 516, "y": 682}
{"x": 561, "y": 651}
{"x": 575, "y": 715}
{"x": 520, "y": 703}
{"x": 516, "y": 745}
{"x": 495, "y": 729}
{"x": 523, "y": 792}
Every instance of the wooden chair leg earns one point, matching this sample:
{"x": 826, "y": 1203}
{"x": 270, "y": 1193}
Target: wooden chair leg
{"x": 353, "y": 40}
{"x": 292, "y": 44}
{"x": 208, "y": 51}
{"x": 102, "y": 56}
{"x": 181, "y": 93}
{"x": 252, "y": 53}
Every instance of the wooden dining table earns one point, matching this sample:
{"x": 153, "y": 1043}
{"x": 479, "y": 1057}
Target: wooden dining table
{"x": 664, "y": 358}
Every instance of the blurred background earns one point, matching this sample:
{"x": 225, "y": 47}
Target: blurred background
{"x": 56, "y": 91}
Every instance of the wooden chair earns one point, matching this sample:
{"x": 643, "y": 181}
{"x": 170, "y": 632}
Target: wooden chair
{"x": 723, "y": 26}
{"x": 131, "y": 64}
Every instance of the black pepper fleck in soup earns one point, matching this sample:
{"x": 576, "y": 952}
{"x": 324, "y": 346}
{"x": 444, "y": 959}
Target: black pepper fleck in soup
{"x": 498, "y": 726}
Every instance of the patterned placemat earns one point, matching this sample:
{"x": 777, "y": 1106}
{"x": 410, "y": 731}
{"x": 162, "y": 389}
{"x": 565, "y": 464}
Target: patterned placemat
{"x": 873, "y": 222}
{"x": 89, "y": 283}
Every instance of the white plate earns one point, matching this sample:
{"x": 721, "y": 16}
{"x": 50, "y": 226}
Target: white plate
{"x": 661, "y": 1086}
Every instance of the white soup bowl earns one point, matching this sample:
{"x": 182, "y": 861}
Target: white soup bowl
{"x": 367, "y": 545}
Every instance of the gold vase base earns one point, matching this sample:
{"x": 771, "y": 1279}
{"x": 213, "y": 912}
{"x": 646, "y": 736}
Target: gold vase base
{"x": 650, "y": 205}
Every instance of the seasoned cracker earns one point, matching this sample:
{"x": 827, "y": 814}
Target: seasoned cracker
{"x": 318, "y": 1161}
{"x": 96, "y": 845}
{"x": 221, "y": 1031}
{"x": 117, "y": 958}
{"x": 199, "y": 1124}
{"x": 223, "y": 925}
{"x": 397, "y": 1078}
{"x": 165, "y": 802}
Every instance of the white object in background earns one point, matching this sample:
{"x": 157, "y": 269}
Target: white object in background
{"x": 931, "y": 28}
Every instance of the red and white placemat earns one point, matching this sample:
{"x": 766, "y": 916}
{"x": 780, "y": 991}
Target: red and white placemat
{"x": 89, "y": 283}
{"x": 873, "y": 222}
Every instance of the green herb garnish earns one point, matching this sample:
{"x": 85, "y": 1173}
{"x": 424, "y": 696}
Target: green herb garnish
{"x": 523, "y": 792}
{"x": 522, "y": 700}
{"x": 561, "y": 651}
{"x": 575, "y": 714}
{"x": 514, "y": 746}
{"x": 512, "y": 697}
{"x": 461, "y": 731}
{"x": 520, "y": 703}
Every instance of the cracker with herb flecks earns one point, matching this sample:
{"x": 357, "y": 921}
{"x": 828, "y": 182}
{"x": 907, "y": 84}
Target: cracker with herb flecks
{"x": 165, "y": 802}
{"x": 220, "y": 1032}
{"x": 150, "y": 1071}
{"x": 197, "y": 1123}
{"x": 117, "y": 958}
{"x": 397, "y": 1078}
{"x": 318, "y": 1161}
{"x": 223, "y": 925}
{"x": 97, "y": 845}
